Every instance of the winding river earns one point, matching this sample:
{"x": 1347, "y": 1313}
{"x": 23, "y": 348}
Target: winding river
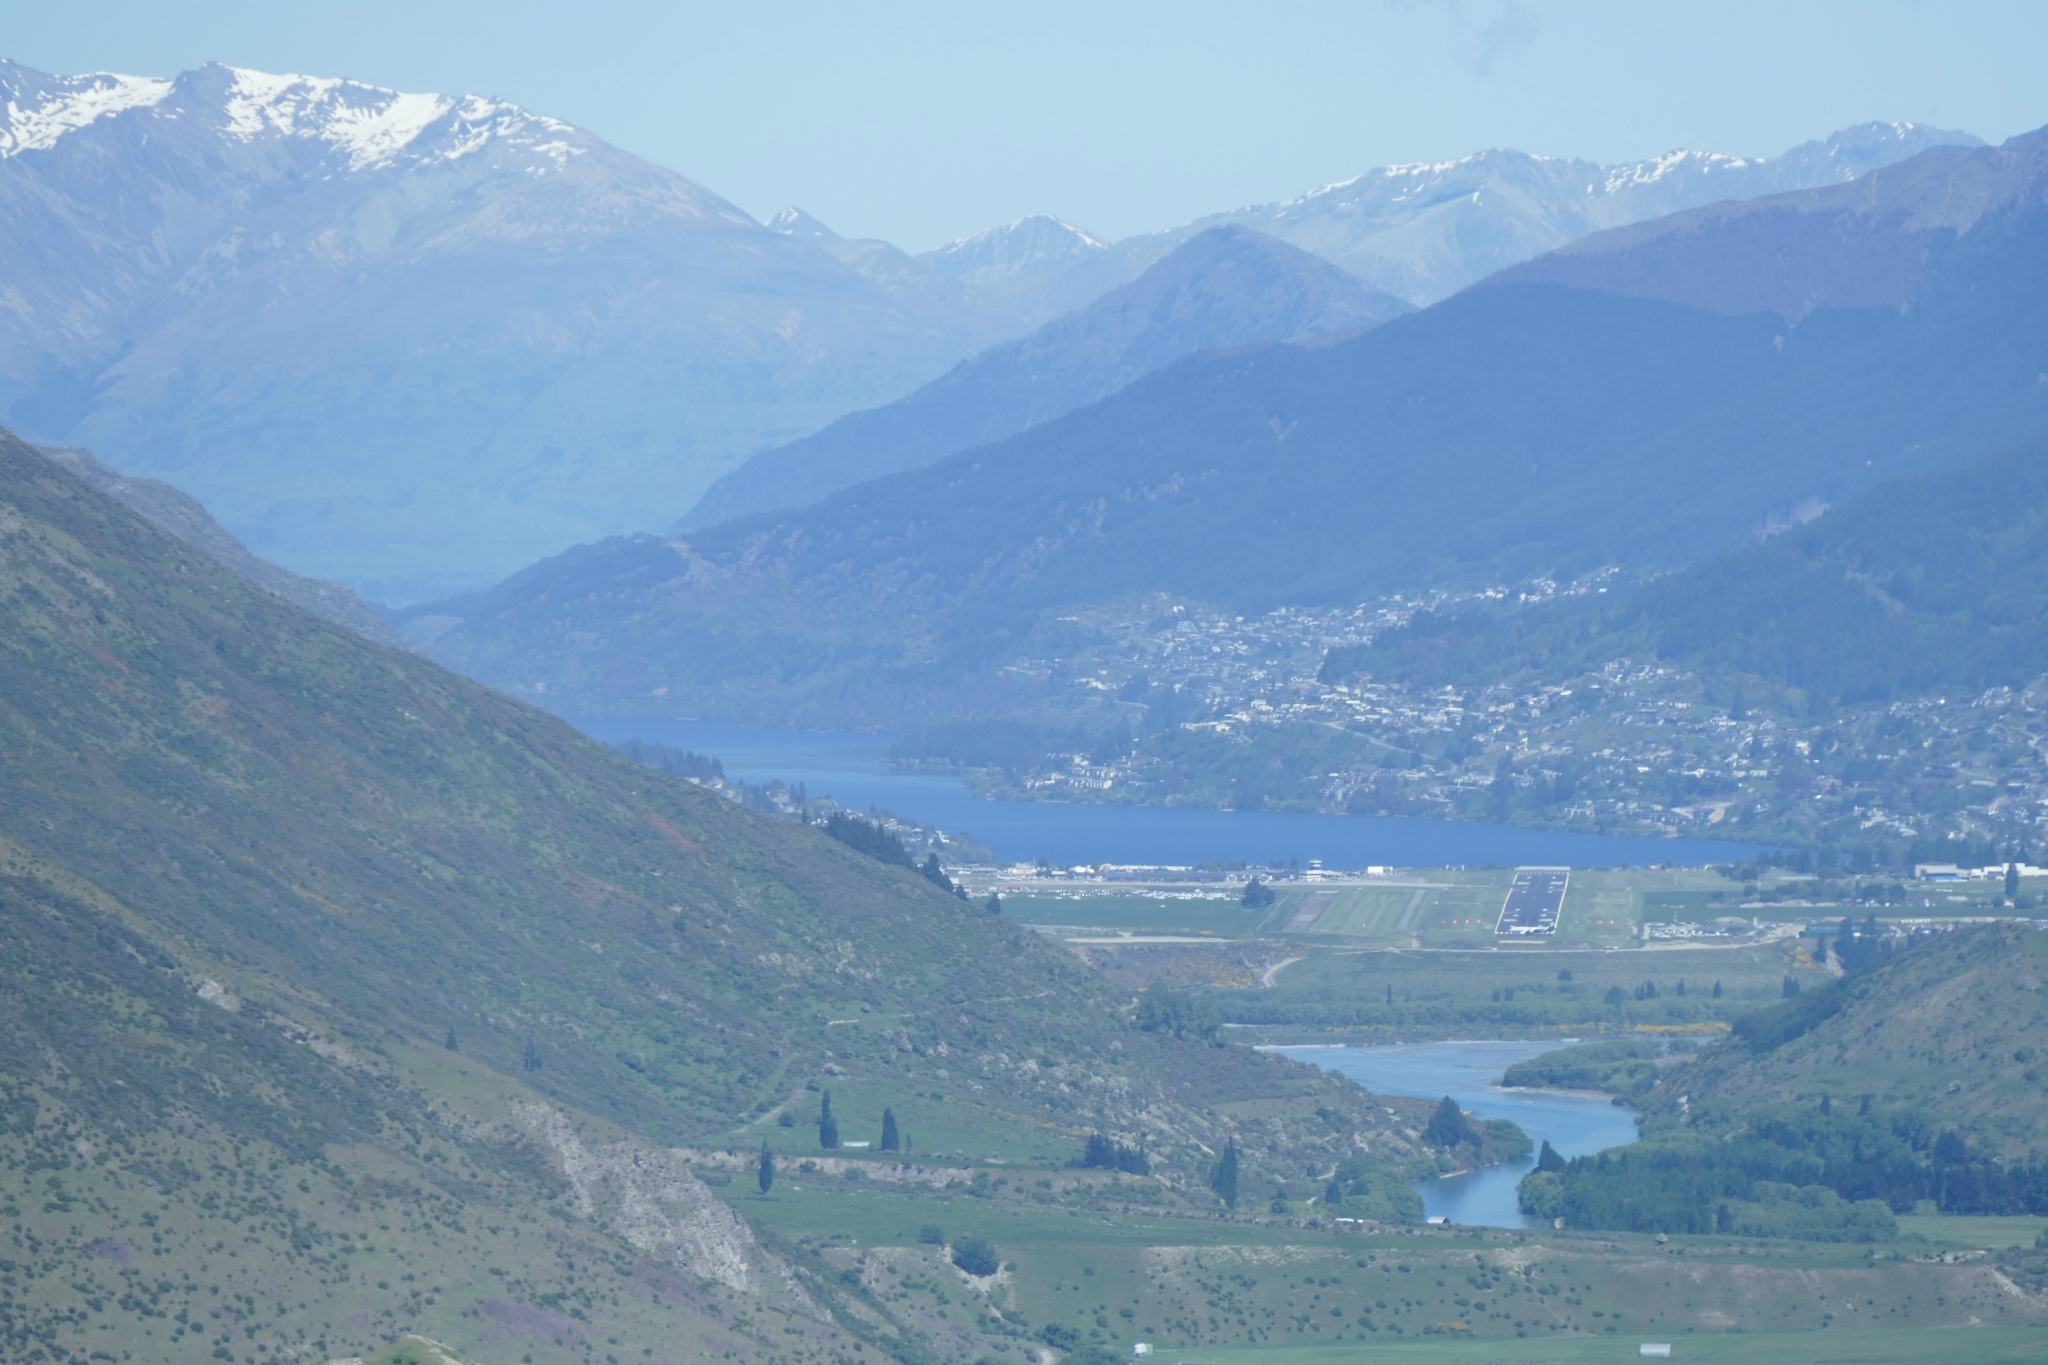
{"x": 1575, "y": 1124}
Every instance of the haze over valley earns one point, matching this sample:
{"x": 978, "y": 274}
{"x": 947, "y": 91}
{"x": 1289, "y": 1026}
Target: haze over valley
{"x": 1450, "y": 766}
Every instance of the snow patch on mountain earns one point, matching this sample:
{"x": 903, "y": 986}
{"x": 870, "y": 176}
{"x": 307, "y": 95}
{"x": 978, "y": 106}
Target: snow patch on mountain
{"x": 69, "y": 103}
{"x": 371, "y": 125}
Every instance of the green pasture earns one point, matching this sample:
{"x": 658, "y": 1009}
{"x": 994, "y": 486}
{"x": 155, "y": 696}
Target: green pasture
{"x": 1947, "y": 1345}
{"x": 871, "y": 1213}
{"x": 1967, "y": 1231}
{"x": 939, "y": 1119}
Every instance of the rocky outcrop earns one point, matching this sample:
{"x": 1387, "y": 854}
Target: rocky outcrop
{"x": 648, "y": 1197}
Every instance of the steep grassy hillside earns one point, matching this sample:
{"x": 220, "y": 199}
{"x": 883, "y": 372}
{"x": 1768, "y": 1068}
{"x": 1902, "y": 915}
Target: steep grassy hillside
{"x": 325, "y": 969}
{"x": 170, "y": 509}
{"x": 1956, "y": 1028}
{"x": 1911, "y": 1082}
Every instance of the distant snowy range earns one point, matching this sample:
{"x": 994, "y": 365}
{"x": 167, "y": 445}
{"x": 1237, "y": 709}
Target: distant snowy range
{"x": 412, "y": 342}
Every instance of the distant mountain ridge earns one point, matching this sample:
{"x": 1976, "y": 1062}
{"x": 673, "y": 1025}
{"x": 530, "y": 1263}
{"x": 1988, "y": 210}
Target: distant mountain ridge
{"x": 1416, "y": 231}
{"x": 1423, "y": 231}
{"x": 1526, "y": 427}
{"x": 1875, "y": 242}
{"x": 1223, "y": 287}
{"x": 410, "y": 341}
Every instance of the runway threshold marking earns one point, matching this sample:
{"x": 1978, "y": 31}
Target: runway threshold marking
{"x": 1312, "y": 907}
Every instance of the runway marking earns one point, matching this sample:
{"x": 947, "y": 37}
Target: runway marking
{"x": 1533, "y": 903}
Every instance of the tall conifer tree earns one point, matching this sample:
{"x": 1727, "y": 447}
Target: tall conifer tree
{"x": 1224, "y": 1178}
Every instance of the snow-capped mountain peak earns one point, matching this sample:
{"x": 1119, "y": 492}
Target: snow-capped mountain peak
{"x": 280, "y": 290}
{"x": 367, "y": 127}
{"x": 40, "y": 109}
{"x": 374, "y": 127}
{"x": 794, "y": 222}
{"x": 1028, "y": 241}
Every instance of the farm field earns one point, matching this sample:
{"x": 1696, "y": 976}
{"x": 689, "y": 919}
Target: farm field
{"x": 1089, "y": 1256}
{"x": 1971, "y": 1346}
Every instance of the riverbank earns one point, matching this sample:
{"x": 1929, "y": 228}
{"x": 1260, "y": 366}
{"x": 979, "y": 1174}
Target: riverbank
{"x": 1575, "y": 1123}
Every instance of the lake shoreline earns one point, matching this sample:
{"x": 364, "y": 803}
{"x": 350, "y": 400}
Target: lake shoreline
{"x": 853, "y": 769}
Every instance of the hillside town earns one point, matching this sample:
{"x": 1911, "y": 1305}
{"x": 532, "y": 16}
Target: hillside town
{"x": 1228, "y": 709}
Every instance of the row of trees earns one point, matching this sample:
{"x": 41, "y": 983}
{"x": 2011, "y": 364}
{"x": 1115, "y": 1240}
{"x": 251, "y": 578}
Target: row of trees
{"x": 893, "y": 1138}
{"x": 1102, "y": 1154}
{"x": 828, "y": 1139}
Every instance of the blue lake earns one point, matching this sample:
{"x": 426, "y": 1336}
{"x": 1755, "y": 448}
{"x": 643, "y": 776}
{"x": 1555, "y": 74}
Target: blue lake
{"x": 1577, "y": 1125}
{"x": 851, "y": 770}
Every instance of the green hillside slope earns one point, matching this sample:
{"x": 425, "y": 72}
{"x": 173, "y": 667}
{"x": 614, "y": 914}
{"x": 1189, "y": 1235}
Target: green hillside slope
{"x": 1957, "y": 1028}
{"x": 1225, "y": 286}
{"x": 1916, "y": 1081}
{"x": 344, "y": 996}
{"x": 1920, "y": 585}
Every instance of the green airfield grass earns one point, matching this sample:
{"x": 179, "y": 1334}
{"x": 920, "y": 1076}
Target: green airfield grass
{"x": 1462, "y": 913}
{"x": 1602, "y": 907}
{"x": 1948, "y": 1345}
{"x": 1376, "y": 911}
{"x": 1749, "y": 975}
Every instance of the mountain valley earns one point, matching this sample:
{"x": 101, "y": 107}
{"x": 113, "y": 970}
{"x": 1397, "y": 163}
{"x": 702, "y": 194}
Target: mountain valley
{"x": 1444, "y": 451}
{"x": 403, "y": 945}
{"x": 448, "y": 919}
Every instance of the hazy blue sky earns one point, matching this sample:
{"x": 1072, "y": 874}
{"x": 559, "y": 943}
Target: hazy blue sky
{"x": 923, "y": 122}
